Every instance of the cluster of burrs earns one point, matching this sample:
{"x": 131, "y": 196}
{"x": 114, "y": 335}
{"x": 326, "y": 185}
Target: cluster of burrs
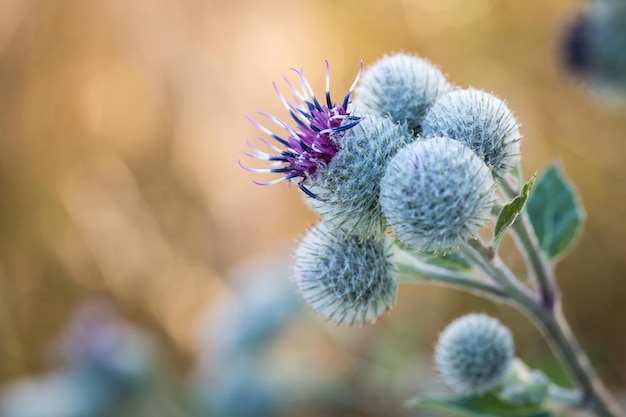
{"x": 411, "y": 154}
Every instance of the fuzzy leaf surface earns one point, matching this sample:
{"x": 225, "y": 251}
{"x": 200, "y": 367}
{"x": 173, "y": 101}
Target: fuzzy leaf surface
{"x": 555, "y": 212}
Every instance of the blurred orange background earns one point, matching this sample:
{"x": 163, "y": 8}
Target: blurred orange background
{"x": 121, "y": 123}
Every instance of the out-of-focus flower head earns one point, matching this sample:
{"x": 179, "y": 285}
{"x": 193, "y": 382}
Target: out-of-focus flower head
{"x": 236, "y": 374}
{"x": 106, "y": 366}
{"x": 594, "y": 47}
{"x": 100, "y": 341}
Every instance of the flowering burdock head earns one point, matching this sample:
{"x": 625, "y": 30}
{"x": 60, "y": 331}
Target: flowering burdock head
{"x": 436, "y": 193}
{"x": 349, "y": 186}
{"x": 481, "y": 121}
{"x": 345, "y": 277}
{"x": 313, "y": 142}
{"x": 98, "y": 340}
{"x": 594, "y": 46}
{"x": 474, "y": 353}
{"x": 402, "y": 86}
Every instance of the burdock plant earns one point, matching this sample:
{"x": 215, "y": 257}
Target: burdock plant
{"x": 403, "y": 181}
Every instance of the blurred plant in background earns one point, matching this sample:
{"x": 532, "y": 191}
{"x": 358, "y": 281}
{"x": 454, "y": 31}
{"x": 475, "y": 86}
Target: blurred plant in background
{"x": 119, "y": 127}
{"x": 594, "y": 47}
{"x": 105, "y": 367}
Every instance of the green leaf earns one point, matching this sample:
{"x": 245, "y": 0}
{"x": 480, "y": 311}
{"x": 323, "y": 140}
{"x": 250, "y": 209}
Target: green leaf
{"x": 555, "y": 212}
{"x": 487, "y": 405}
{"x": 510, "y": 211}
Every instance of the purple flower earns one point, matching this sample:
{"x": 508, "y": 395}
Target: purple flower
{"x": 315, "y": 139}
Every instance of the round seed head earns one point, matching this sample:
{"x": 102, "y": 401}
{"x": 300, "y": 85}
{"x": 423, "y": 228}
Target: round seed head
{"x": 348, "y": 187}
{"x": 481, "y": 121}
{"x": 344, "y": 277}
{"x": 403, "y": 86}
{"x": 436, "y": 193}
{"x": 473, "y": 354}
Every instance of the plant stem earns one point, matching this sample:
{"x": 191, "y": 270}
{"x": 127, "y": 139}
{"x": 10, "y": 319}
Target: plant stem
{"x": 555, "y": 328}
{"x": 541, "y": 268}
{"x": 567, "y": 396}
{"x": 475, "y": 251}
{"x": 412, "y": 265}
{"x": 545, "y": 311}
{"x": 594, "y": 395}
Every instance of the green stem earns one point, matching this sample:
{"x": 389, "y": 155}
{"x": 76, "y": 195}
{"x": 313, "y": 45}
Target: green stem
{"x": 541, "y": 269}
{"x": 594, "y": 395}
{"x": 415, "y": 269}
{"x": 494, "y": 268}
{"x": 567, "y": 396}
{"x": 555, "y": 328}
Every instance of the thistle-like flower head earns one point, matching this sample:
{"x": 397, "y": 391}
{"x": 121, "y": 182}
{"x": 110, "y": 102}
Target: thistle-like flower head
{"x": 480, "y": 120}
{"x": 401, "y": 86}
{"x": 474, "y": 353}
{"x": 348, "y": 186}
{"x": 436, "y": 193}
{"x": 313, "y": 142}
{"x": 345, "y": 277}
